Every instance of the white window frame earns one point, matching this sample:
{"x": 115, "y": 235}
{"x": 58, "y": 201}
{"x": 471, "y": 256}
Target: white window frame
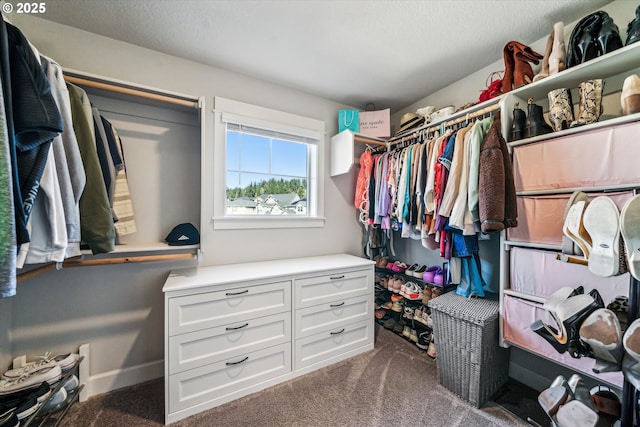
{"x": 238, "y": 112}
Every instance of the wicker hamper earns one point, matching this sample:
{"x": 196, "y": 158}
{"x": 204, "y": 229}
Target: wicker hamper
{"x": 471, "y": 364}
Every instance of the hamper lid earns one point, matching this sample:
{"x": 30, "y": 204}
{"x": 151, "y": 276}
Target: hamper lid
{"x": 475, "y": 310}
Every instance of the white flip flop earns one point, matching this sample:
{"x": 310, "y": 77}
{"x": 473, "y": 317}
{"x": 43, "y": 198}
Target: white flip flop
{"x": 630, "y": 230}
{"x": 602, "y": 221}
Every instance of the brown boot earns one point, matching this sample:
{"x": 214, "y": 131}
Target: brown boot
{"x": 522, "y": 71}
{"x": 507, "y": 79}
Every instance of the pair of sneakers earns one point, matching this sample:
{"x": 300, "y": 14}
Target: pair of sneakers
{"x": 46, "y": 369}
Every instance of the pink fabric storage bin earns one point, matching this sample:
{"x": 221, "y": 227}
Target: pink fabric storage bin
{"x": 538, "y": 273}
{"x": 540, "y": 218}
{"x": 600, "y": 157}
{"x": 518, "y": 316}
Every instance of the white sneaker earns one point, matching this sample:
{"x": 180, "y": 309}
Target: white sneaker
{"x": 30, "y": 380}
{"x": 65, "y": 361}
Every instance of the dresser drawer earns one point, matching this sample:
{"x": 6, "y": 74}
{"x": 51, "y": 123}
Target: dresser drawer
{"x": 198, "y": 348}
{"x": 200, "y": 311}
{"x": 330, "y": 345}
{"x": 331, "y": 287}
{"x": 329, "y": 316}
{"x": 217, "y": 380}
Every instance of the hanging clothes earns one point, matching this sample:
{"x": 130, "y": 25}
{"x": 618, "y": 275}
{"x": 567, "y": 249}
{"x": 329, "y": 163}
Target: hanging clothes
{"x": 122, "y": 205}
{"x": 496, "y": 190}
{"x": 7, "y": 218}
{"x": 96, "y": 220}
{"x": 477, "y": 136}
{"x": 36, "y": 121}
{"x": 69, "y": 167}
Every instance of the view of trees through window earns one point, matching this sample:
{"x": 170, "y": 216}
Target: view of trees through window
{"x": 266, "y": 174}
{"x": 272, "y": 186}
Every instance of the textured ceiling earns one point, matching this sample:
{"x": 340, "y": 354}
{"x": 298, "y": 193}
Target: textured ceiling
{"x": 387, "y": 52}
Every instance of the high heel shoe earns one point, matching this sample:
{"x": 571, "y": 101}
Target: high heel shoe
{"x": 608, "y": 38}
{"x": 633, "y": 29}
{"x": 553, "y": 397}
{"x": 560, "y": 109}
{"x": 582, "y": 45}
{"x": 568, "y": 316}
{"x": 601, "y": 330}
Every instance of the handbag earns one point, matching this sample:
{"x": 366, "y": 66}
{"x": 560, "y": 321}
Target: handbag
{"x": 349, "y": 120}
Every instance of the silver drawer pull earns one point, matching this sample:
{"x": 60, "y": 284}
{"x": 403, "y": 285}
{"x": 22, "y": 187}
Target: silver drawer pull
{"x": 237, "y": 327}
{"x": 336, "y": 305}
{"x": 237, "y": 293}
{"x": 238, "y": 362}
{"x": 337, "y": 333}
{"x": 337, "y": 277}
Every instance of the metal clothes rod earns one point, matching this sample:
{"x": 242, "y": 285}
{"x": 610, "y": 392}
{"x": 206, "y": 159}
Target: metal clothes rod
{"x": 102, "y": 261}
{"x": 431, "y": 128}
{"x": 130, "y": 91}
{"x": 365, "y": 140}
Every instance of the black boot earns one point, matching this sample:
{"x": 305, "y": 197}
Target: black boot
{"x": 519, "y": 120}
{"x": 582, "y": 42}
{"x": 608, "y": 38}
{"x": 633, "y": 29}
{"x": 535, "y": 124}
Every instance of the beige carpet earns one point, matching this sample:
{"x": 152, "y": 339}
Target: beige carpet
{"x": 395, "y": 384}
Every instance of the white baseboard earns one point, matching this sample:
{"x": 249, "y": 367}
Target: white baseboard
{"x": 112, "y": 380}
{"x": 118, "y": 378}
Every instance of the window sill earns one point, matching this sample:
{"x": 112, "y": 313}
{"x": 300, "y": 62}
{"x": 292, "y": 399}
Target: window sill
{"x": 266, "y": 222}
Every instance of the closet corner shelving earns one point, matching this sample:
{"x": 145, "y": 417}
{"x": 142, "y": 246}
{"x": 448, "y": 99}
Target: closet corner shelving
{"x": 613, "y": 68}
{"x": 343, "y": 150}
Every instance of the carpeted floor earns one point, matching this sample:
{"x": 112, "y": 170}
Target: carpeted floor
{"x": 395, "y": 384}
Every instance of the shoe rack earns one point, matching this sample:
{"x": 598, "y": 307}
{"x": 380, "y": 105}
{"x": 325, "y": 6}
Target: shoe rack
{"x": 54, "y": 417}
{"x": 418, "y": 326}
{"x": 612, "y": 68}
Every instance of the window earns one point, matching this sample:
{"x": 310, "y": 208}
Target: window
{"x": 270, "y": 162}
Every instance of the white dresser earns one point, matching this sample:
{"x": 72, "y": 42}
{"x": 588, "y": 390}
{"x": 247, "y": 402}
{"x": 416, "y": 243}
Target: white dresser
{"x": 235, "y": 329}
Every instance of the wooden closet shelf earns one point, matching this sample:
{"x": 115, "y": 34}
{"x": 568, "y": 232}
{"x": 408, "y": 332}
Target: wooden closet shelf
{"x": 78, "y": 262}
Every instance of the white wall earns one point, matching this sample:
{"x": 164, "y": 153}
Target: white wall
{"x": 119, "y": 309}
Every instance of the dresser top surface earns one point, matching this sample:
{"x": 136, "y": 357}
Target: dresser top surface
{"x": 196, "y": 277}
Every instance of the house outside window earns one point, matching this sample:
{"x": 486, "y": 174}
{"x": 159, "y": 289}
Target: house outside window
{"x": 268, "y": 168}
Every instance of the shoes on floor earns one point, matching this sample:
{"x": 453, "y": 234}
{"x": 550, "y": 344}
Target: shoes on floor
{"x": 65, "y": 361}
{"x": 30, "y": 380}
{"x": 25, "y": 403}
{"x": 9, "y": 419}
{"x": 424, "y": 339}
